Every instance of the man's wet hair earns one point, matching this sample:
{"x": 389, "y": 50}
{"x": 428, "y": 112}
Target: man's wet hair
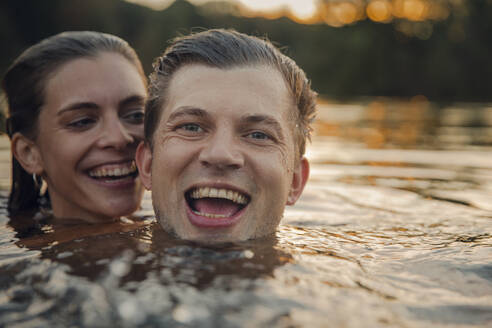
{"x": 227, "y": 49}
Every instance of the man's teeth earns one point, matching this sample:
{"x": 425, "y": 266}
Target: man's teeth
{"x": 206, "y": 192}
{"x": 114, "y": 172}
{"x": 209, "y": 215}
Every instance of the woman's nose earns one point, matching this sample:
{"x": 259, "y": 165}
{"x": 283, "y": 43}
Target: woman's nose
{"x": 115, "y": 135}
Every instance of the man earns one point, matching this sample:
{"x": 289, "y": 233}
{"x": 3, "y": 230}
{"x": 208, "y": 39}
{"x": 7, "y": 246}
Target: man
{"x": 225, "y": 133}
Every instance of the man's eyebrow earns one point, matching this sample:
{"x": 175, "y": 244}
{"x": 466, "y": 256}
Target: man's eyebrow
{"x": 187, "y": 111}
{"x": 264, "y": 119}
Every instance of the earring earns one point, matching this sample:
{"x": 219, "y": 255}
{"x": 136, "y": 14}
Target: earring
{"x": 35, "y": 179}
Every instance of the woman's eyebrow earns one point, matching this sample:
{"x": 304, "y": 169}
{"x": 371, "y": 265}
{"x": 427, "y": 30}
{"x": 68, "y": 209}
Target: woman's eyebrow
{"x": 135, "y": 99}
{"x": 78, "y": 105}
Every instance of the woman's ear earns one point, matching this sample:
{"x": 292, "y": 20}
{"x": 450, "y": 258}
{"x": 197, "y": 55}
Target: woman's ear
{"x": 299, "y": 179}
{"x": 143, "y": 159}
{"x": 27, "y": 153}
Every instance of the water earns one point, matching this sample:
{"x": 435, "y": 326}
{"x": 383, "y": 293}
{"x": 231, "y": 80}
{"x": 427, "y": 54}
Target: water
{"x": 393, "y": 230}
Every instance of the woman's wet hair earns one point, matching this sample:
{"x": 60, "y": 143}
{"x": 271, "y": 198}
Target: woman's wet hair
{"x": 24, "y": 84}
{"x": 227, "y": 49}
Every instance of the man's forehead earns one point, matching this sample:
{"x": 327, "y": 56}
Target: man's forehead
{"x": 244, "y": 88}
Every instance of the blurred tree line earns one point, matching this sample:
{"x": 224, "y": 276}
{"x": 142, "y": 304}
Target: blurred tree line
{"x": 356, "y": 60}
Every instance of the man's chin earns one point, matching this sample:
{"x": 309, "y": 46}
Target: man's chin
{"x": 212, "y": 237}
{"x": 206, "y": 236}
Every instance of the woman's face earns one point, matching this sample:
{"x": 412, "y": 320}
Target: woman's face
{"x": 89, "y": 127}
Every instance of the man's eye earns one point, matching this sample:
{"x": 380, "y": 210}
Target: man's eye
{"x": 81, "y": 123}
{"x": 191, "y": 127}
{"x": 259, "y": 135}
{"x": 135, "y": 117}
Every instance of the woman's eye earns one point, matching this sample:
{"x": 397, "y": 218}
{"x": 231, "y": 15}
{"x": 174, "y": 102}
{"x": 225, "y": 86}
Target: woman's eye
{"x": 81, "y": 123}
{"x": 135, "y": 117}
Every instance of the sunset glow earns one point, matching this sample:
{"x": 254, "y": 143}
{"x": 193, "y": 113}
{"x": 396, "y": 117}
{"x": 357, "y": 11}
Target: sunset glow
{"x": 335, "y": 13}
{"x": 299, "y": 10}
{"x": 379, "y": 10}
{"x": 154, "y": 4}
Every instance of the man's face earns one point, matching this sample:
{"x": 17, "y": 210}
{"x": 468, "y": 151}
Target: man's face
{"x": 223, "y": 165}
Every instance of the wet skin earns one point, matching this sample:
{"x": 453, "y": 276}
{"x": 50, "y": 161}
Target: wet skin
{"x": 89, "y": 129}
{"x": 223, "y": 164}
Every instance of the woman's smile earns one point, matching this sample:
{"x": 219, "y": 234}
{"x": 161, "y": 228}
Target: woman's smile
{"x": 88, "y": 150}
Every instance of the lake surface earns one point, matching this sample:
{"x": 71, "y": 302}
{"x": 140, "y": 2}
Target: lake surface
{"x": 394, "y": 229}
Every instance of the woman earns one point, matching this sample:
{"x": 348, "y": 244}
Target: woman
{"x": 75, "y": 118}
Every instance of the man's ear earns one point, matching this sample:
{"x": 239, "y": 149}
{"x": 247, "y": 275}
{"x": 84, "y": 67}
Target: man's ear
{"x": 301, "y": 175}
{"x": 143, "y": 158}
{"x": 27, "y": 153}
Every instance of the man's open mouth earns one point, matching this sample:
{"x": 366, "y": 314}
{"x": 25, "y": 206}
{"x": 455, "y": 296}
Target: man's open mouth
{"x": 216, "y": 203}
{"x": 114, "y": 172}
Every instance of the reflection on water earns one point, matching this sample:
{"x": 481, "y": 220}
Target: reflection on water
{"x": 393, "y": 230}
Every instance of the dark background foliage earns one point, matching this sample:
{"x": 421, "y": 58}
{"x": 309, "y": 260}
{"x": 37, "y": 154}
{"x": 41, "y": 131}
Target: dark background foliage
{"x": 357, "y": 60}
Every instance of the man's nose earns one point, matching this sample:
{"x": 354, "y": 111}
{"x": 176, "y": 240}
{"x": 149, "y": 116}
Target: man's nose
{"x": 221, "y": 151}
{"x": 115, "y": 135}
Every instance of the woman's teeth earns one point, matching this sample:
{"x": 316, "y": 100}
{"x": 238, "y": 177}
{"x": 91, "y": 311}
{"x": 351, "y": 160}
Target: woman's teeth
{"x": 114, "y": 171}
{"x": 206, "y": 192}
